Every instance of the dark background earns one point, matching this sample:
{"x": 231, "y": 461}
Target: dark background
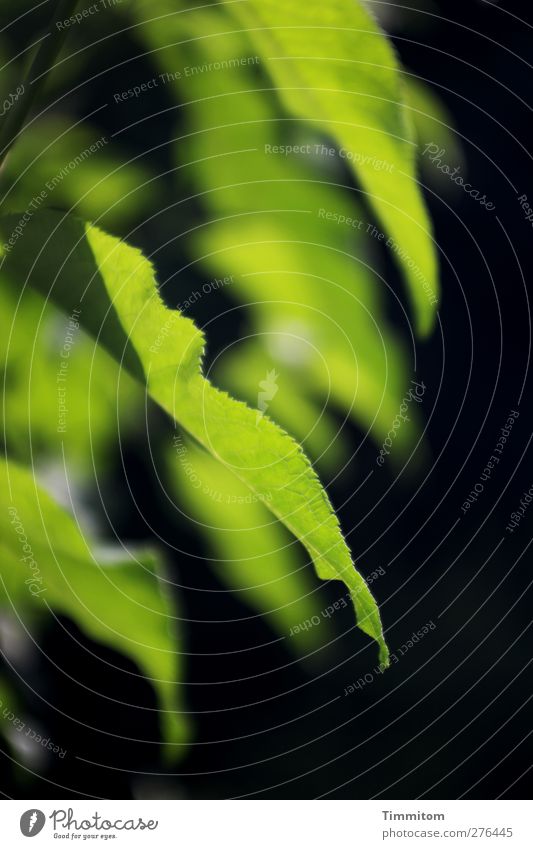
{"x": 453, "y": 717}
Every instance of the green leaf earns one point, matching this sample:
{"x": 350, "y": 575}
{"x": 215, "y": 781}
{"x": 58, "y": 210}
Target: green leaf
{"x": 333, "y": 67}
{"x": 253, "y": 554}
{"x": 60, "y": 255}
{"x": 118, "y": 600}
{"x": 318, "y": 307}
{"x": 76, "y": 167}
{"x": 43, "y": 354}
{"x": 433, "y": 125}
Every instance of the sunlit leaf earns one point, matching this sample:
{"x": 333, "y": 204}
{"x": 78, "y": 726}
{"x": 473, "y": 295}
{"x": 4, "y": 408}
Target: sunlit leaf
{"x": 297, "y": 244}
{"x": 63, "y": 396}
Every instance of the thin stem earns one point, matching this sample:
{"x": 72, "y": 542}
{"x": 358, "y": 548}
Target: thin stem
{"x": 43, "y": 62}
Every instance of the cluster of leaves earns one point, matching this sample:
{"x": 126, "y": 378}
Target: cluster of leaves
{"x": 311, "y": 74}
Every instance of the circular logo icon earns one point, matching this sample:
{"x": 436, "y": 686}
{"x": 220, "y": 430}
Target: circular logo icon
{"x": 32, "y": 822}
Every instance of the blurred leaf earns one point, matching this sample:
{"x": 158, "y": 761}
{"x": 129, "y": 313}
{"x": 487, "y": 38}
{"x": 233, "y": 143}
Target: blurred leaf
{"x": 75, "y": 166}
{"x": 118, "y": 600}
{"x": 317, "y": 328}
{"x": 170, "y": 347}
{"x": 333, "y": 66}
{"x": 8, "y": 84}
